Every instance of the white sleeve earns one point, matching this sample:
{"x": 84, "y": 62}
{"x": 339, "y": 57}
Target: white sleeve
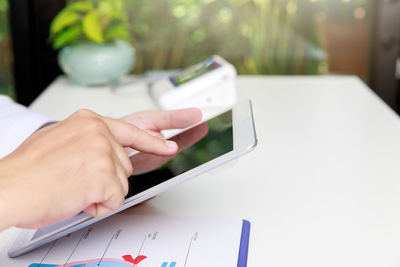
{"x": 16, "y": 124}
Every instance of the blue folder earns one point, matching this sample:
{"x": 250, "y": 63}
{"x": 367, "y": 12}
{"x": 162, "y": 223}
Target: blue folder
{"x": 244, "y": 244}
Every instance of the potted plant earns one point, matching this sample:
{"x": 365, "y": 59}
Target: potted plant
{"x": 92, "y": 36}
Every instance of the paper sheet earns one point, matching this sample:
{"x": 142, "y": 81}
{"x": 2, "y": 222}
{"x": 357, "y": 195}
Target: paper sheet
{"x": 131, "y": 240}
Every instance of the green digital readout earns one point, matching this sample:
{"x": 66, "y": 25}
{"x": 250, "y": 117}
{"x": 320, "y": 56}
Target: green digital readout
{"x": 194, "y": 72}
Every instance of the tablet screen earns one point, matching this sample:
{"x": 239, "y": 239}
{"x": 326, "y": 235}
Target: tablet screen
{"x": 198, "y": 145}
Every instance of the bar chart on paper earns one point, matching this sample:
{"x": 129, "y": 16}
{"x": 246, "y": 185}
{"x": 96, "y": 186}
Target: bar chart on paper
{"x": 140, "y": 241}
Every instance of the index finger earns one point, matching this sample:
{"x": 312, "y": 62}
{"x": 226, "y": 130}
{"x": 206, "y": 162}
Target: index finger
{"x": 170, "y": 119}
{"x": 128, "y": 135}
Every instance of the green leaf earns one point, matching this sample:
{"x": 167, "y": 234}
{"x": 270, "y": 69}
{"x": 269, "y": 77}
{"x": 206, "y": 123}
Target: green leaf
{"x": 81, "y": 6}
{"x": 91, "y": 27}
{"x": 105, "y": 8}
{"x": 116, "y": 15}
{"x": 68, "y": 36}
{"x": 117, "y": 31}
{"x": 118, "y": 4}
{"x": 111, "y": 10}
{"x": 115, "y": 5}
{"x": 64, "y": 19}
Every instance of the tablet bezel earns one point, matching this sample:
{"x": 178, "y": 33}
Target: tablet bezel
{"x": 244, "y": 140}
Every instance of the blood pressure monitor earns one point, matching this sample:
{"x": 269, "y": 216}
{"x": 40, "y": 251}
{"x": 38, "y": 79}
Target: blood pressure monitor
{"x": 209, "y": 84}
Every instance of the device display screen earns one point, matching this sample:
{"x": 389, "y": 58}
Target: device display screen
{"x": 194, "y": 72}
{"x": 198, "y": 145}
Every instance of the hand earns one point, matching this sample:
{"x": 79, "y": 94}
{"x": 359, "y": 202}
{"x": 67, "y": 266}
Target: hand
{"x": 73, "y": 165}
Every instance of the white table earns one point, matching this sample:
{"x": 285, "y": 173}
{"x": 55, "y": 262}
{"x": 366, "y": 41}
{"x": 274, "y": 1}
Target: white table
{"x": 321, "y": 189}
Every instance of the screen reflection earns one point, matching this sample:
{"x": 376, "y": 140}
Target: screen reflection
{"x": 197, "y": 146}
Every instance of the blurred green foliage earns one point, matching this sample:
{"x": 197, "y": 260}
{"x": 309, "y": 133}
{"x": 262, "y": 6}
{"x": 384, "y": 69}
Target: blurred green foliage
{"x": 6, "y": 56}
{"x": 257, "y": 36}
{"x": 97, "y": 21}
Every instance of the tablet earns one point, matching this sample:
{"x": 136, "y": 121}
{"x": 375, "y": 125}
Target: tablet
{"x": 202, "y": 148}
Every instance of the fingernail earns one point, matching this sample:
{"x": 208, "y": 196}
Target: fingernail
{"x": 171, "y": 144}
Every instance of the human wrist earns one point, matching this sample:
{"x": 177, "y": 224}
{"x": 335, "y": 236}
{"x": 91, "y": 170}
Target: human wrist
{"x": 7, "y": 209}
{"x": 4, "y": 213}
